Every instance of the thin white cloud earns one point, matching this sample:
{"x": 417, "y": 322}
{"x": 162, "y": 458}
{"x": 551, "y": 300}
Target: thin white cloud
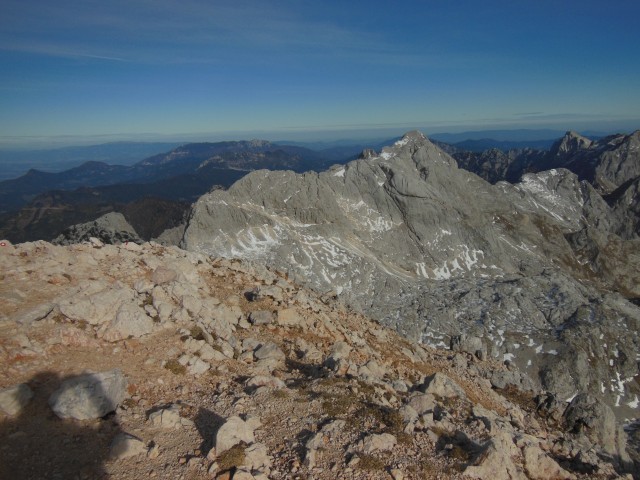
{"x": 56, "y": 51}
{"x": 202, "y": 32}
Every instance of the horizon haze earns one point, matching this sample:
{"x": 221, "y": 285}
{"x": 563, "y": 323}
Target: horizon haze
{"x": 90, "y": 72}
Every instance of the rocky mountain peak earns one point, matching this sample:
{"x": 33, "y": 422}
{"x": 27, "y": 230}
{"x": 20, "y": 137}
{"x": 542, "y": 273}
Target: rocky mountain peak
{"x": 257, "y": 143}
{"x": 571, "y": 143}
{"x": 368, "y": 153}
{"x": 434, "y": 251}
{"x": 111, "y": 228}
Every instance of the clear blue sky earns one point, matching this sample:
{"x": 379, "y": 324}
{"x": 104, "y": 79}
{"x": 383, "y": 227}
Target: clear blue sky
{"x": 245, "y": 67}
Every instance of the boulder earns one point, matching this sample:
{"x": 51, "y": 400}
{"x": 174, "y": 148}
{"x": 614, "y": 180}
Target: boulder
{"x": 233, "y": 432}
{"x": 442, "y": 386}
{"x": 261, "y": 317}
{"x": 539, "y": 466}
{"x": 378, "y": 443}
{"x": 423, "y": 403}
{"x": 495, "y": 462}
{"x": 197, "y": 366}
{"x": 89, "y": 396}
{"x": 269, "y": 351}
{"x": 469, "y": 344}
{"x": 588, "y": 416}
{"x": 256, "y": 457}
{"x": 97, "y": 307}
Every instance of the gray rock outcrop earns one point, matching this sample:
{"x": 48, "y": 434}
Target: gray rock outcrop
{"x": 435, "y": 252}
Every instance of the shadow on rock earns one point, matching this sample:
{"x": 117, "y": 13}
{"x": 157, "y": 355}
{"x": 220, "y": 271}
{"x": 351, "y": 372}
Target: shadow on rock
{"x": 208, "y": 423}
{"x": 37, "y": 444}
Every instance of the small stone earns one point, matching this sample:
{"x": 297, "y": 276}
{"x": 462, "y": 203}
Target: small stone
{"x": 265, "y": 381}
{"x": 125, "y": 445}
{"x": 261, "y": 317}
{"x": 269, "y": 351}
{"x": 211, "y": 456}
{"x": 166, "y": 418}
{"x": 153, "y": 451}
{"x": 396, "y": 474}
{"x": 379, "y": 443}
{"x": 288, "y": 317}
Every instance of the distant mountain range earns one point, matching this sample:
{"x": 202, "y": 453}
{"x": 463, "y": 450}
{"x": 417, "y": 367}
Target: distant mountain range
{"x": 14, "y": 163}
{"x": 50, "y": 201}
{"x": 606, "y": 162}
{"x": 41, "y": 204}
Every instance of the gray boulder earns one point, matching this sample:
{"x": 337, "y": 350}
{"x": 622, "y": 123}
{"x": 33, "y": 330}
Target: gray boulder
{"x": 588, "y": 416}
{"x": 89, "y": 396}
{"x": 469, "y": 344}
{"x": 233, "y": 432}
{"x": 440, "y": 385}
{"x": 269, "y": 351}
{"x": 261, "y": 317}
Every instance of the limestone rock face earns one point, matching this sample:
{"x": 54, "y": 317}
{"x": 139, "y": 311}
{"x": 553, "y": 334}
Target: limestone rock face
{"x": 434, "y": 251}
{"x": 130, "y": 321}
{"x": 89, "y": 396}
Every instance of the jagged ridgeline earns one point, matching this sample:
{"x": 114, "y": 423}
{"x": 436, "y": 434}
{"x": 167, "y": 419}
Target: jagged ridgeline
{"x": 538, "y": 273}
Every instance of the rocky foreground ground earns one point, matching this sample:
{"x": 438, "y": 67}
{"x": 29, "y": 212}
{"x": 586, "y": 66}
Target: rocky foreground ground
{"x": 142, "y": 361}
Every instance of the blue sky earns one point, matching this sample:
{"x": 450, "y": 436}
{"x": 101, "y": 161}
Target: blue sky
{"x": 300, "y": 69}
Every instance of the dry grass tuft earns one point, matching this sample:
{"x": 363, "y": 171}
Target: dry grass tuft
{"x": 175, "y": 367}
{"x": 232, "y": 458}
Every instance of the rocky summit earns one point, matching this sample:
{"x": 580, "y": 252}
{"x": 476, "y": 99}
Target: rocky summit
{"x": 143, "y": 361}
{"x": 541, "y": 273}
